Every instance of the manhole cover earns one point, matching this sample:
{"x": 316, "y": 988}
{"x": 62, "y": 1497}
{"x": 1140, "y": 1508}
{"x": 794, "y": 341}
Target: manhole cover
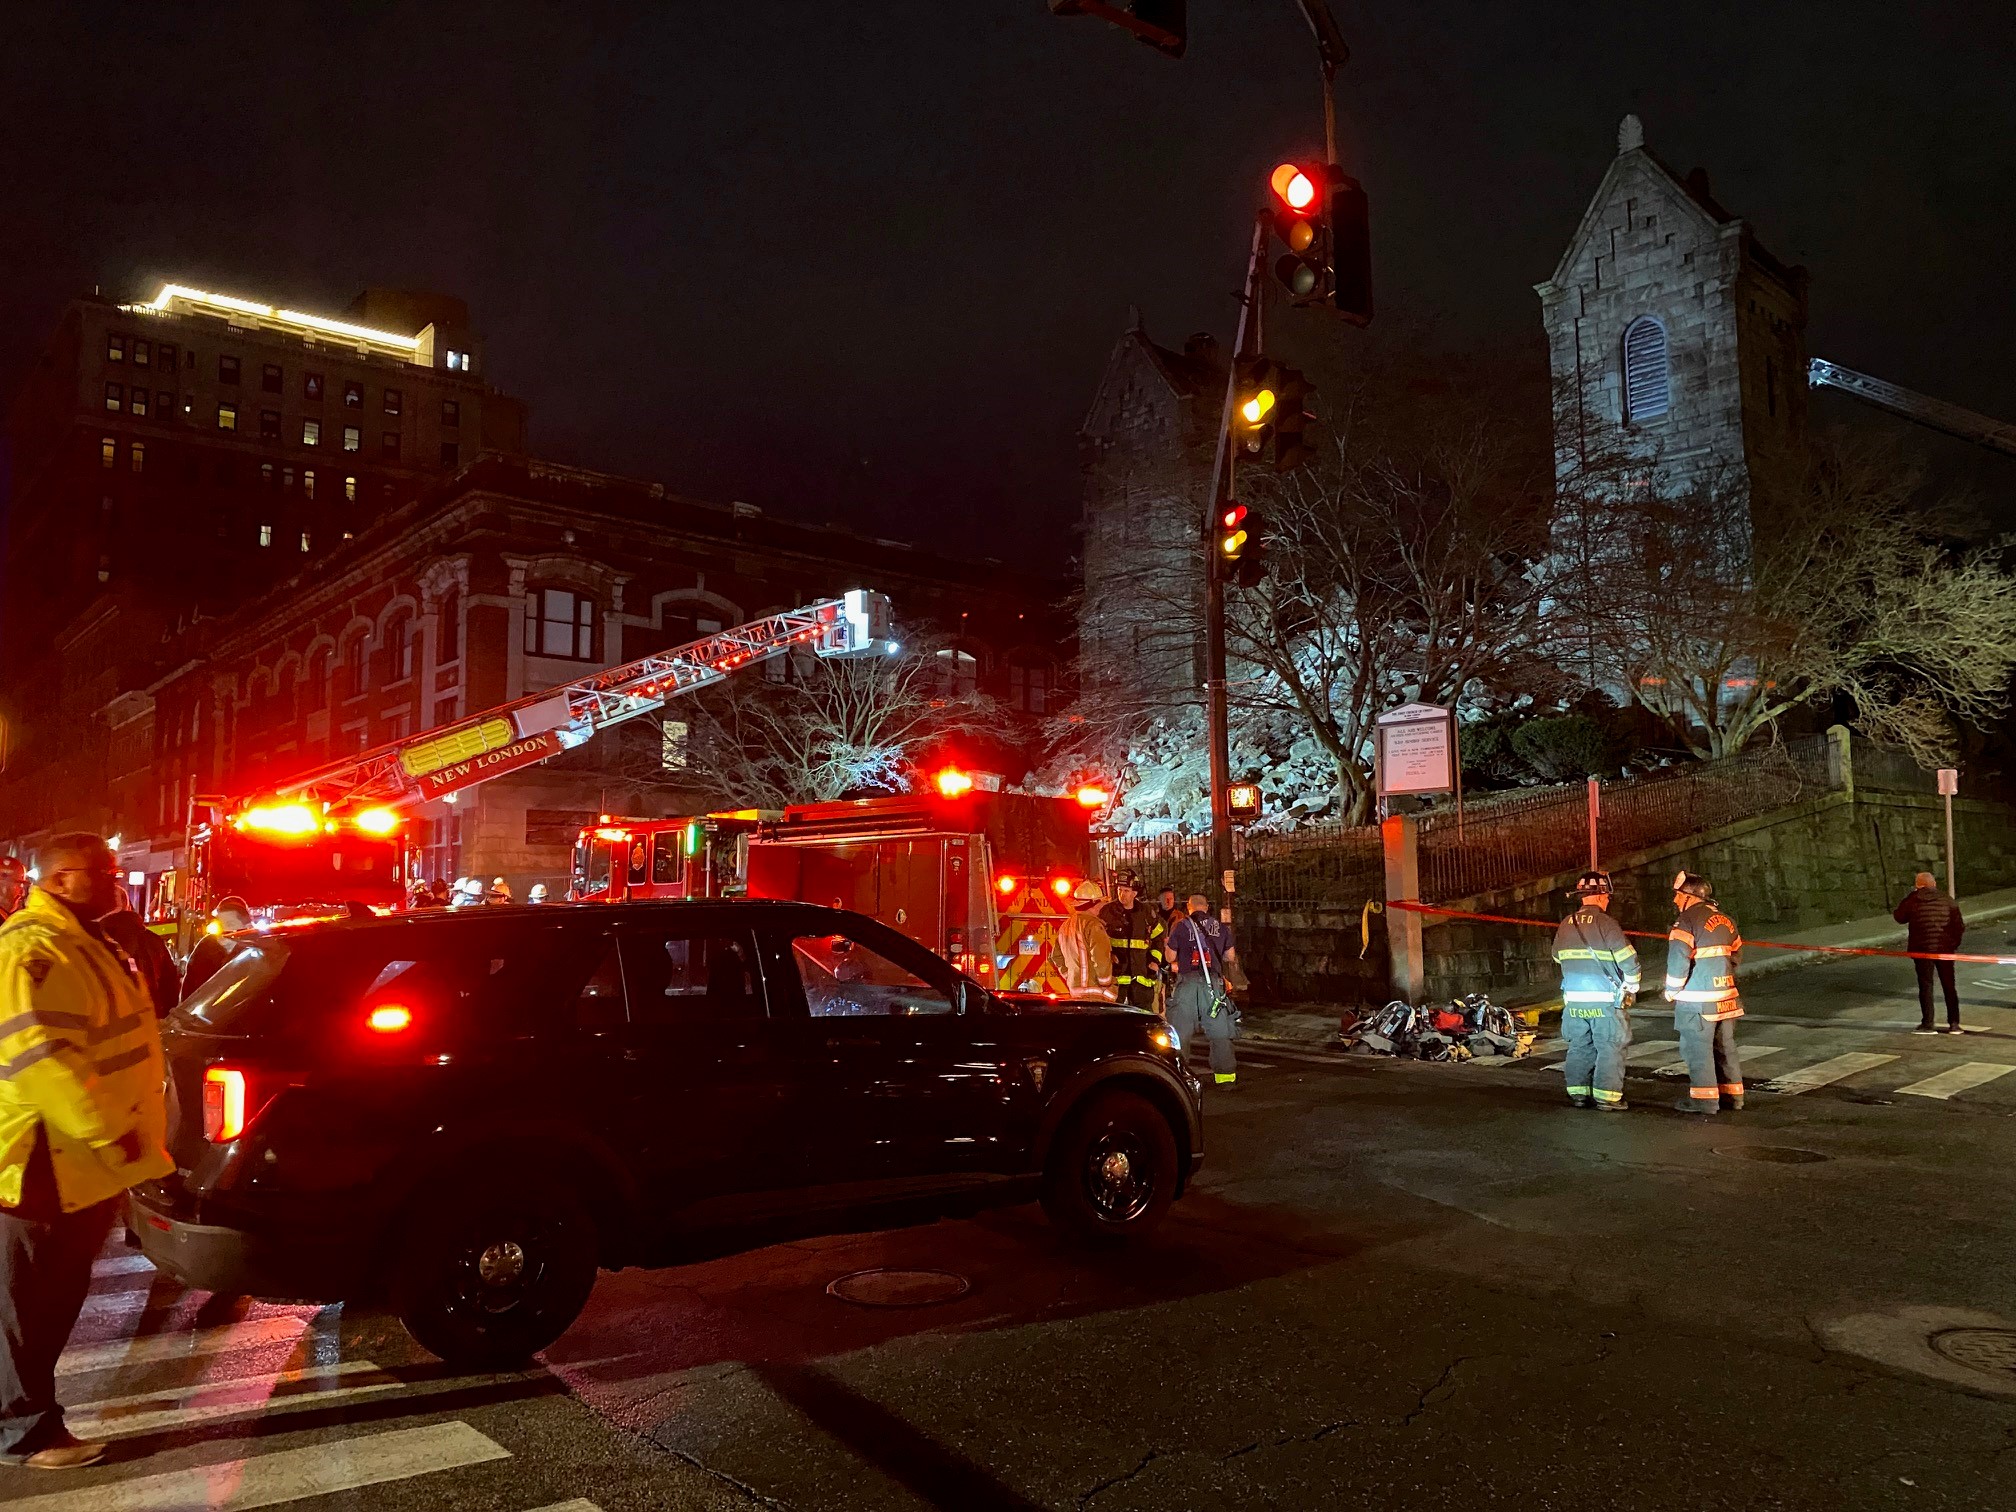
{"x": 1772, "y": 1154}
{"x": 898, "y": 1288}
{"x": 1989, "y": 1349}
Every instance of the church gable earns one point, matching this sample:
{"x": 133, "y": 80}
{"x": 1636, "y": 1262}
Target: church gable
{"x": 1639, "y": 207}
{"x": 1134, "y": 388}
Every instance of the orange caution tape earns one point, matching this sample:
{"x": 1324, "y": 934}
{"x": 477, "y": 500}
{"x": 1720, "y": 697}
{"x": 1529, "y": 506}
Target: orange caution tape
{"x": 1414, "y": 905}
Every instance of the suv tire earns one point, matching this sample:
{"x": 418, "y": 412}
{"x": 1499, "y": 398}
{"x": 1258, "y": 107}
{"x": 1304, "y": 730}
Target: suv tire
{"x": 1112, "y": 1171}
{"x": 495, "y": 1273}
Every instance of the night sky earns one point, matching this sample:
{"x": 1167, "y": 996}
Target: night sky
{"x": 863, "y": 260}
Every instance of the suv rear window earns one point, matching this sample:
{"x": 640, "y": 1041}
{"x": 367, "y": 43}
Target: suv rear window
{"x": 477, "y": 977}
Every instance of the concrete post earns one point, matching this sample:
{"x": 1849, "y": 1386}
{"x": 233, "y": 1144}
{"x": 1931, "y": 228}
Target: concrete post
{"x": 1840, "y": 760}
{"x": 1400, "y": 838}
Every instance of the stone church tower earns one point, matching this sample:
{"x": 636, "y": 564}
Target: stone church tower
{"x": 1146, "y": 448}
{"x": 1677, "y": 342}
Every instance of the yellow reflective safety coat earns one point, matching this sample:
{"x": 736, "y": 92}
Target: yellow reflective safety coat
{"x": 80, "y": 1058}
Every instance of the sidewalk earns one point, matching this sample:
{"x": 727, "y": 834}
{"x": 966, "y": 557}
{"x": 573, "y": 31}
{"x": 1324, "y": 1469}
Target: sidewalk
{"x": 1307, "y": 1025}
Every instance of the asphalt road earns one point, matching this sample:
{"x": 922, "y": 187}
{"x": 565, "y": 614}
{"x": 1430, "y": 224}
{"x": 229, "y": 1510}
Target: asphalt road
{"x": 1396, "y": 1285}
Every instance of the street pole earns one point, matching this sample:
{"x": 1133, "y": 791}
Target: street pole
{"x": 1217, "y": 725}
{"x": 1952, "y": 886}
{"x": 1595, "y": 808}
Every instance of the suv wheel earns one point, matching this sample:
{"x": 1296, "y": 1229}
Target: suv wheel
{"x": 496, "y": 1274}
{"x": 1112, "y": 1171}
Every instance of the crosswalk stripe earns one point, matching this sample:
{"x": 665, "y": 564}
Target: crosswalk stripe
{"x": 287, "y": 1475}
{"x": 579, "y": 1504}
{"x": 1744, "y": 1053}
{"x": 1639, "y": 1054}
{"x": 181, "y": 1407}
{"x": 1806, "y": 1078}
{"x": 121, "y": 1265}
{"x": 1959, "y": 1079}
{"x": 249, "y": 1333}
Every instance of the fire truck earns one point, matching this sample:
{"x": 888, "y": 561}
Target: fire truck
{"x": 335, "y": 838}
{"x": 981, "y": 876}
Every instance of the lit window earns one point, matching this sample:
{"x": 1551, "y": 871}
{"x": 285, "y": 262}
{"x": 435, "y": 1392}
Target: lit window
{"x": 140, "y": 354}
{"x": 115, "y": 397}
{"x": 308, "y": 483}
{"x": 451, "y": 453}
{"x": 353, "y": 438}
{"x": 958, "y": 671}
{"x": 115, "y": 348}
{"x": 269, "y": 425}
{"x": 139, "y": 455}
{"x": 311, "y": 432}
{"x": 353, "y": 394}
{"x": 311, "y": 385}
{"x": 1648, "y": 391}
{"x": 451, "y": 412}
{"x": 388, "y": 446}
{"x": 270, "y": 378}
{"x": 393, "y": 399}
{"x": 560, "y": 623}
{"x": 227, "y": 417}
{"x": 138, "y": 402}
{"x": 350, "y": 489}
{"x": 265, "y": 535}
{"x": 227, "y": 369}
{"x": 304, "y": 540}
{"x": 108, "y": 452}
{"x": 454, "y": 361}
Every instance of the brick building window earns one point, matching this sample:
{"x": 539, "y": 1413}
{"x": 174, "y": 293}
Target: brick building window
{"x": 353, "y": 394}
{"x": 269, "y": 425}
{"x": 311, "y": 432}
{"x": 138, "y": 403}
{"x": 451, "y": 412}
{"x": 138, "y": 453}
{"x": 1029, "y": 688}
{"x": 115, "y": 348}
{"x": 165, "y": 357}
{"x": 115, "y": 397}
{"x": 451, "y": 453}
{"x": 308, "y": 483}
{"x": 1648, "y": 385}
{"x": 311, "y": 387}
{"x": 350, "y": 490}
{"x": 140, "y": 354}
{"x": 400, "y": 639}
{"x": 265, "y": 535}
{"x": 958, "y": 672}
{"x": 388, "y": 446}
{"x": 393, "y": 399}
{"x": 559, "y": 623}
{"x": 227, "y": 369}
{"x": 227, "y": 417}
{"x": 270, "y": 378}
{"x": 353, "y": 438}
{"x": 108, "y": 452}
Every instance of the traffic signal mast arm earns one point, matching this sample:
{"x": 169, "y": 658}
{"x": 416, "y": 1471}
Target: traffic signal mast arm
{"x": 558, "y": 719}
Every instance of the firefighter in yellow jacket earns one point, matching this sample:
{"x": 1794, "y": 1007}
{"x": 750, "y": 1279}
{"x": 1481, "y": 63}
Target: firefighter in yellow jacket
{"x": 1701, "y": 985}
{"x": 81, "y": 1120}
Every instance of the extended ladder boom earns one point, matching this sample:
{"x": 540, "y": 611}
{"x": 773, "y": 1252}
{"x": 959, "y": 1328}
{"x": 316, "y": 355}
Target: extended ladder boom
{"x": 542, "y": 725}
{"x": 1935, "y": 414}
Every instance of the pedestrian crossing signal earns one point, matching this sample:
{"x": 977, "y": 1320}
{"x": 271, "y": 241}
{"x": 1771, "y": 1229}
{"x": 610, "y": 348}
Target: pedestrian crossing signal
{"x": 1242, "y": 801}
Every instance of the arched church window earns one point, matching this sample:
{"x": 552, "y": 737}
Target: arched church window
{"x": 1648, "y": 388}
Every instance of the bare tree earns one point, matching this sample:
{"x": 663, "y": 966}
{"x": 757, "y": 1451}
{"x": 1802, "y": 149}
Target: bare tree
{"x": 831, "y": 728}
{"x": 1721, "y": 609}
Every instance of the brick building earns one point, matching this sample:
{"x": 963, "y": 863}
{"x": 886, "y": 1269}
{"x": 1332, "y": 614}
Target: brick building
{"x": 170, "y": 460}
{"x": 512, "y": 577}
{"x": 1675, "y": 339}
{"x": 1147, "y": 447}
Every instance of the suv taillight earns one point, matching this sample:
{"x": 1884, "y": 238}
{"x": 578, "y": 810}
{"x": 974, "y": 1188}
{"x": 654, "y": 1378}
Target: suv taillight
{"x": 224, "y": 1104}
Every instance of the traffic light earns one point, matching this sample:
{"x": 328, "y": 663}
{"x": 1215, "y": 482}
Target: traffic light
{"x": 1321, "y": 215}
{"x": 1271, "y": 404}
{"x": 1240, "y": 551}
{"x": 1291, "y": 415}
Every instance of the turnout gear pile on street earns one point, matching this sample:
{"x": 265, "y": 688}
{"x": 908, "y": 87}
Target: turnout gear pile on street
{"x": 1137, "y": 932}
{"x": 1464, "y": 1029}
{"x": 1199, "y": 947}
{"x": 1599, "y": 983}
{"x": 1701, "y": 958}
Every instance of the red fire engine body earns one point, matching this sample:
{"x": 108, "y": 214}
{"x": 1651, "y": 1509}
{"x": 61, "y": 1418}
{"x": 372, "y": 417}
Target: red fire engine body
{"x": 984, "y": 879}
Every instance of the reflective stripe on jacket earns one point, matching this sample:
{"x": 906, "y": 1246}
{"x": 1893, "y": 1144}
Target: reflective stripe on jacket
{"x": 1137, "y": 942}
{"x": 1598, "y": 965}
{"x": 80, "y": 1056}
{"x": 1701, "y": 961}
{"x": 1085, "y": 956}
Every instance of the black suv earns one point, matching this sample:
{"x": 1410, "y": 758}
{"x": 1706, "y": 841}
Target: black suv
{"x": 469, "y": 1112}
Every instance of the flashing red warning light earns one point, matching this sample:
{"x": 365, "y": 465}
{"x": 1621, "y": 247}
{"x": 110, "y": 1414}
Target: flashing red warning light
{"x": 389, "y": 1018}
{"x": 1061, "y": 886}
{"x": 1006, "y": 885}
{"x": 279, "y": 819}
{"x": 223, "y": 1104}
{"x": 377, "y": 821}
{"x": 953, "y": 783}
{"x": 1094, "y": 796}
{"x": 612, "y": 834}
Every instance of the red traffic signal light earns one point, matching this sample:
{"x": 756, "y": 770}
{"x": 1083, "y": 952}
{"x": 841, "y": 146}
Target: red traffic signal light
{"x": 1321, "y": 215}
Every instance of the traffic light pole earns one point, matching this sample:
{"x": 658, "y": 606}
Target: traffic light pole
{"x": 1217, "y": 723}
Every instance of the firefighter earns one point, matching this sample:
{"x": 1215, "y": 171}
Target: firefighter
{"x": 1199, "y": 947}
{"x": 231, "y": 915}
{"x": 82, "y": 1119}
{"x": 1701, "y": 986}
{"x": 1084, "y": 949}
{"x": 1137, "y": 932}
{"x": 538, "y": 893}
{"x": 1599, "y": 983}
{"x": 13, "y": 884}
{"x": 500, "y": 891}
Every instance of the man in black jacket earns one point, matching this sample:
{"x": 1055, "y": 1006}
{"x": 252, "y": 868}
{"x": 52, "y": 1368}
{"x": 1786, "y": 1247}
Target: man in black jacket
{"x": 1932, "y": 926}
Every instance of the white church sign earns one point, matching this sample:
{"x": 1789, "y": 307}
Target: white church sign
{"x": 1415, "y": 750}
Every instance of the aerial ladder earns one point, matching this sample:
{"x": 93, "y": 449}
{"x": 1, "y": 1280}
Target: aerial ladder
{"x": 332, "y": 835}
{"x": 1934, "y": 414}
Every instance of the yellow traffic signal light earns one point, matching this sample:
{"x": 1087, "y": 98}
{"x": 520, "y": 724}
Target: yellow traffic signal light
{"x": 1232, "y": 533}
{"x": 1257, "y": 406}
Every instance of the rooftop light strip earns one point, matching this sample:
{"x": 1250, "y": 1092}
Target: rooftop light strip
{"x": 160, "y": 304}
